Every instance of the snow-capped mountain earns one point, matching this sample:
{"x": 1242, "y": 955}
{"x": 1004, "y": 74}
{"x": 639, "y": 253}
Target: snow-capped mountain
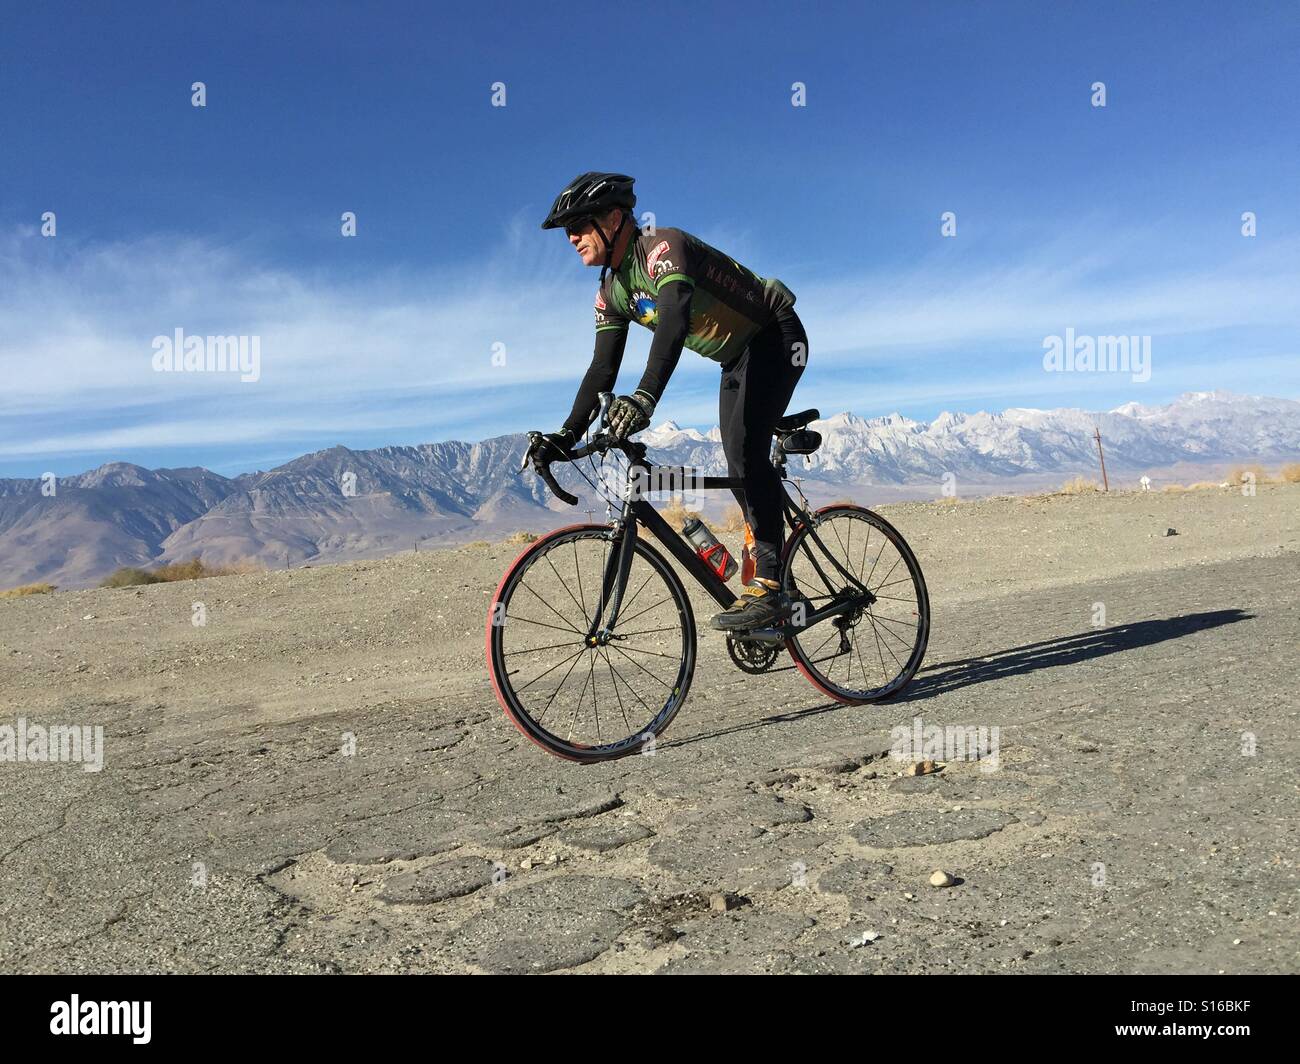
{"x": 339, "y": 503}
{"x": 895, "y": 449}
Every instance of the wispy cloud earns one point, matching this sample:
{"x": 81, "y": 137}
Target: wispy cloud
{"x": 413, "y": 352}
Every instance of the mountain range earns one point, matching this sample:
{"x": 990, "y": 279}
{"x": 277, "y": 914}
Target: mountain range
{"x": 339, "y": 503}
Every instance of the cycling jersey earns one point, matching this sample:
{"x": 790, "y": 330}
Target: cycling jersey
{"x": 729, "y": 304}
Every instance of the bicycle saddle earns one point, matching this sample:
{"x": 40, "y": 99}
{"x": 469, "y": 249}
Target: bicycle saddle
{"x": 791, "y": 422}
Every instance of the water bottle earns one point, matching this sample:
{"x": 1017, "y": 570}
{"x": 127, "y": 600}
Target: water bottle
{"x": 706, "y": 545}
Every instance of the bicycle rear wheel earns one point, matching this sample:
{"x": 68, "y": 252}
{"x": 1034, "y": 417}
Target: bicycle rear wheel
{"x": 581, "y": 698}
{"x": 873, "y": 650}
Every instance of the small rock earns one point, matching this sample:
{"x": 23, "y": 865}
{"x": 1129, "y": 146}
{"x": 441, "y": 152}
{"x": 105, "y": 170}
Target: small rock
{"x": 940, "y": 878}
{"x": 922, "y": 768}
{"x": 864, "y": 939}
{"x": 721, "y": 903}
{"x": 1171, "y": 531}
{"x": 88, "y": 617}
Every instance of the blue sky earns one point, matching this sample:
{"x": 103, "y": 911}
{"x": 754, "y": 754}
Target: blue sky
{"x": 225, "y": 219}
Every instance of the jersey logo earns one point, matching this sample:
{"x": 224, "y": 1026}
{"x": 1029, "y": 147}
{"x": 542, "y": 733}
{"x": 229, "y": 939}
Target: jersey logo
{"x": 653, "y": 257}
{"x": 662, "y": 267}
{"x": 600, "y": 299}
{"x": 643, "y": 308}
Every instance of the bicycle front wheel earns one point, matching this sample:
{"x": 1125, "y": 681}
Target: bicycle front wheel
{"x": 578, "y": 697}
{"x": 873, "y": 649}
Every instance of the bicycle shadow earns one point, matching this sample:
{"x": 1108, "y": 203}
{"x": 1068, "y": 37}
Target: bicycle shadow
{"x": 1065, "y": 650}
{"x": 1014, "y": 661}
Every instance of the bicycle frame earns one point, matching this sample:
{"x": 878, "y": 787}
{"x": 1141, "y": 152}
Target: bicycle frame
{"x": 639, "y": 512}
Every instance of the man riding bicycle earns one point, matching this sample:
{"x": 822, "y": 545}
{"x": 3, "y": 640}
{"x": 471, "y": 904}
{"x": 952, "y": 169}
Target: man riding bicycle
{"x": 690, "y": 295}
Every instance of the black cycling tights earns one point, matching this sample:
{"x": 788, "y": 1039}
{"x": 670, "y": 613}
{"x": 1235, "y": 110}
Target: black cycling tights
{"x": 756, "y": 388}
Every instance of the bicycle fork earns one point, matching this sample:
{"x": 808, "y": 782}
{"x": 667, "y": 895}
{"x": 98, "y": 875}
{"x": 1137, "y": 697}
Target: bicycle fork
{"x": 613, "y": 584}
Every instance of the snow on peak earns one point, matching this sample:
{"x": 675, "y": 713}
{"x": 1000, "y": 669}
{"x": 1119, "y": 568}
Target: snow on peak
{"x": 670, "y": 432}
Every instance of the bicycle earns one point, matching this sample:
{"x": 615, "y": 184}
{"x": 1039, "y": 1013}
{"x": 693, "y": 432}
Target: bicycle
{"x": 537, "y": 616}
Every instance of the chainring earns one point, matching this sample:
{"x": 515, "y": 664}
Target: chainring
{"x": 750, "y": 656}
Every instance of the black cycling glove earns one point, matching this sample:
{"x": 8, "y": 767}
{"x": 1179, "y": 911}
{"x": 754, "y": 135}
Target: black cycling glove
{"x": 551, "y": 447}
{"x": 629, "y": 414}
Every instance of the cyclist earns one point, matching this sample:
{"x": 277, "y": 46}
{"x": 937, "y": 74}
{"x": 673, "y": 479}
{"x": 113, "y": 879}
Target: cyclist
{"x": 691, "y": 295}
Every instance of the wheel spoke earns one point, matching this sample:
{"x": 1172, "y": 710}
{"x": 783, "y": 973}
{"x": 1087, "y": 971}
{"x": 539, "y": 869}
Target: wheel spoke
{"x": 547, "y": 707}
{"x": 614, "y": 684}
{"x": 625, "y": 604}
{"x": 564, "y": 585}
{"x": 529, "y": 620}
{"x": 538, "y": 650}
{"x": 551, "y": 608}
{"x": 646, "y": 610}
{"x": 650, "y": 631}
{"x": 642, "y": 668}
{"x": 519, "y": 690}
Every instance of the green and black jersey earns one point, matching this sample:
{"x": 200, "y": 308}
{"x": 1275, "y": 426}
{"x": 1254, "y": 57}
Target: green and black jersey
{"x": 690, "y": 295}
{"x": 728, "y": 306}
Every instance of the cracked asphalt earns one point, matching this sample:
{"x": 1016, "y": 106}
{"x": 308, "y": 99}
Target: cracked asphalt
{"x": 319, "y": 779}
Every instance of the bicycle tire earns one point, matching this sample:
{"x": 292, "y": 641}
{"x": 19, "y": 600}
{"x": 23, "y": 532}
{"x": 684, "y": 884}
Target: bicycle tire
{"x": 638, "y": 740}
{"x": 806, "y": 659}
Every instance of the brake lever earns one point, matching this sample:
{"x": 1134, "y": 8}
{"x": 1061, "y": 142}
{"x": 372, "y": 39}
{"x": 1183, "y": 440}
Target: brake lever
{"x": 606, "y": 401}
{"x": 548, "y": 478}
{"x": 533, "y": 438}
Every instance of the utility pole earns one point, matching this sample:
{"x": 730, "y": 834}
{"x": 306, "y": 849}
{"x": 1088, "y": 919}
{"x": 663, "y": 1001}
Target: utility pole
{"x": 1096, "y": 435}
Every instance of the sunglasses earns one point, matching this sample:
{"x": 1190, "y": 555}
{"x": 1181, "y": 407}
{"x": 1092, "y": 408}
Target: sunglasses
{"x": 577, "y": 228}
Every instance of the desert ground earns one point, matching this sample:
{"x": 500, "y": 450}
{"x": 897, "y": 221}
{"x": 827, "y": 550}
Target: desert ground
{"x": 1142, "y": 816}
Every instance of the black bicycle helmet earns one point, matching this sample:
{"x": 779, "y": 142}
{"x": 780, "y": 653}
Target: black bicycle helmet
{"x": 590, "y": 194}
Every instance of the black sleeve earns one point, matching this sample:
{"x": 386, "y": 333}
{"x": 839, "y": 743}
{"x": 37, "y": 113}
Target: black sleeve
{"x": 671, "y": 330}
{"x": 600, "y": 377}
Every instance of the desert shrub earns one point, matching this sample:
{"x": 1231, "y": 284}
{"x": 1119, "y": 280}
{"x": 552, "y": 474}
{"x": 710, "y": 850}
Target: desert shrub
{"x": 1236, "y": 476}
{"x": 129, "y": 577}
{"x": 27, "y": 589}
{"x": 676, "y": 514}
{"x": 194, "y": 569}
{"x": 521, "y": 537}
{"x": 733, "y": 520}
{"x": 478, "y": 544}
{"x": 1291, "y": 473}
{"x": 190, "y": 570}
{"x": 1079, "y": 486}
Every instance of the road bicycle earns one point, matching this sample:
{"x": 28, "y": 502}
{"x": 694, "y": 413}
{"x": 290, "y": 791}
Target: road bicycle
{"x": 591, "y": 640}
